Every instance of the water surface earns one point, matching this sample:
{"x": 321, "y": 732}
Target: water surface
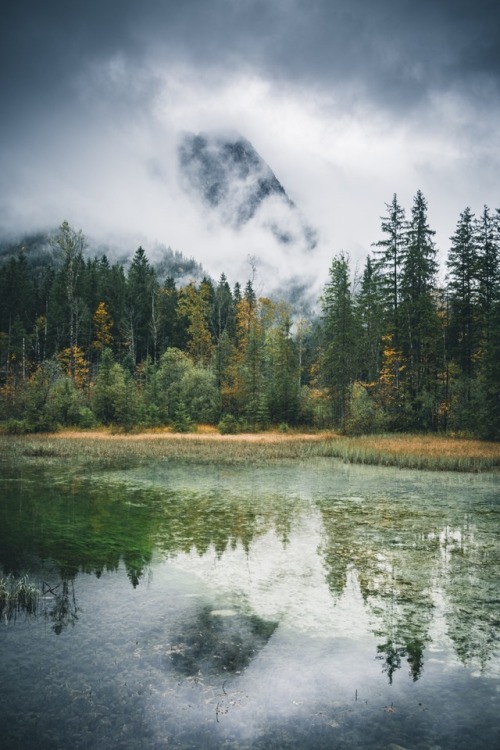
{"x": 311, "y": 605}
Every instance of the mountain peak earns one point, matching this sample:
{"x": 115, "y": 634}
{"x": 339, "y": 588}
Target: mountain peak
{"x": 233, "y": 180}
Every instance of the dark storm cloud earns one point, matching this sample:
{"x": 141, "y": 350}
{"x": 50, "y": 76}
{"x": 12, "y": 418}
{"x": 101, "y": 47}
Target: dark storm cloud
{"x": 394, "y": 51}
{"x": 347, "y": 100}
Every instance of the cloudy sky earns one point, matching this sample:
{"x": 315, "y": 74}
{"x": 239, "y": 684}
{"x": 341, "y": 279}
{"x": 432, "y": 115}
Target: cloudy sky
{"x": 349, "y": 101}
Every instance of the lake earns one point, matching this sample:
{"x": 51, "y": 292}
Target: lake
{"x": 298, "y": 605}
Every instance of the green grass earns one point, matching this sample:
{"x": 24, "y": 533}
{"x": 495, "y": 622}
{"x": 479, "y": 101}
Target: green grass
{"x": 404, "y": 451}
{"x": 17, "y": 595}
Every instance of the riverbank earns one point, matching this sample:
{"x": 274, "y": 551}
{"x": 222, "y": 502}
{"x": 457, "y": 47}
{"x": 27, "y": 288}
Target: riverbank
{"x": 208, "y": 446}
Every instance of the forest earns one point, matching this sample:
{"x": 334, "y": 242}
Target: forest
{"x": 85, "y": 342}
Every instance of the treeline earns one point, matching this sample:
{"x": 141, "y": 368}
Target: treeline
{"x": 92, "y": 343}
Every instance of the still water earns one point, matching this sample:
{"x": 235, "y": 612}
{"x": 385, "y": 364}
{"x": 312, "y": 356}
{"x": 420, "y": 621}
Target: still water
{"x": 312, "y": 605}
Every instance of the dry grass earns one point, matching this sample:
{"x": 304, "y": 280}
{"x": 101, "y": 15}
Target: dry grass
{"x": 208, "y": 446}
{"x": 204, "y": 433}
{"x": 430, "y": 446}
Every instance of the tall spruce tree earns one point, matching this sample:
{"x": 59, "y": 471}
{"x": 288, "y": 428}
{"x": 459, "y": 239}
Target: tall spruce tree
{"x": 141, "y": 283}
{"x": 418, "y": 314}
{"x": 463, "y": 268}
{"x": 463, "y": 328}
{"x": 389, "y": 256}
{"x": 283, "y": 381}
{"x": 369, "y": 311}
{"x": 487, "y": 235}
{"x": 338, "y": 359}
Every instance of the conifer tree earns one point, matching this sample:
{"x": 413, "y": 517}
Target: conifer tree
{"x": 141, "y": 281}
{"x": 463, "y": 267}
{"x": 418, "y": 313}
{"x": 282, "y": 391}
{"x": 369, "y": 312}
{"x": 487, "y": 237}
{"x": 389, "y": 256}
{"x": 338, "y": 361}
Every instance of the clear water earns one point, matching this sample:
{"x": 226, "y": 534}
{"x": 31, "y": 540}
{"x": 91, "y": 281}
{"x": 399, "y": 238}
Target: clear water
{"x": 311, "y": 605}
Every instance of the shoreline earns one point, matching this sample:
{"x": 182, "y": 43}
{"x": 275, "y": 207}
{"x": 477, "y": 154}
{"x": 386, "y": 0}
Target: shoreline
{"x": 428, "y": 452}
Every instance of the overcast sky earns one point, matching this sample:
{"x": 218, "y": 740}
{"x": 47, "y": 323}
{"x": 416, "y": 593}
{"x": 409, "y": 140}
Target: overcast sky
{"x": 349, "y": 101}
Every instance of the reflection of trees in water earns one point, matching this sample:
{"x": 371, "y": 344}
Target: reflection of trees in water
{"x": 470, "y": 572}
{"x": 400, "y": 553}
{"x": 63, "y": 609}
{"x": 56, "y": 601}
{"x": 92, "y": 528}
{"x": 400, "y": 556}
{"x": 77, "y": 526}
{"x": 73, "y": 527}
{"x": 220, "y": 521}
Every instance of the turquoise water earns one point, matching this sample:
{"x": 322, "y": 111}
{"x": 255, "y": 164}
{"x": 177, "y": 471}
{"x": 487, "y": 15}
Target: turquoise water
{"x": 310, "y": 605}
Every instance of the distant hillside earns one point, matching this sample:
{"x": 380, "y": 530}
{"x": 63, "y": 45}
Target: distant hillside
{"x": 40, "y": 253}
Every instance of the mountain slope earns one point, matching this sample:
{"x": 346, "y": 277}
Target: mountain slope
{"x": 231, "y": 179}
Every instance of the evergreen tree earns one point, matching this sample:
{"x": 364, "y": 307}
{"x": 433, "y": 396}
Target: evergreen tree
{"x": 223, "y": 322}
{"x": 283, "y": 382}
{"x": 418, "y": 315}
{"x": 173, "y": 324}
{"x": 369, "y": 312}
{"x": 463, "y": 329}
{"x": 114, "y": 398}
{"x": 487, "y": 237}
{"x": 141, "y": 282}
{"x": 339, "y": 338}
{"x": 389, "y": 257}
{"x": 488, "y": 418}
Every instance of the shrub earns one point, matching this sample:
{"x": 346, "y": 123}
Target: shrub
{"x": 228, "y": 425}
{"x": 16, "y": 427}
{"x": 364, "y": 415}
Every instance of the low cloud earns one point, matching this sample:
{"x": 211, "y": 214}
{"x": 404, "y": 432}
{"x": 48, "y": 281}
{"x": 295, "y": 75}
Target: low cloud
{"x": 104, "y": 157}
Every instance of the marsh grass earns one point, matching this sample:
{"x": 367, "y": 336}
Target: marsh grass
{"x": 17, "y": 595}
{"x": 404, "y": 451}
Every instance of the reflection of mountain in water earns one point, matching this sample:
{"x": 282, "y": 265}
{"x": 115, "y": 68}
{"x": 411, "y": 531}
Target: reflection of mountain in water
{"x": 410, "y": 558}
{"x": 218, "y": 641}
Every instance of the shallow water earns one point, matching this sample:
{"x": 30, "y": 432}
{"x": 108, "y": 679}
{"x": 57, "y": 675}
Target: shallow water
{"x": 311, "y": 605}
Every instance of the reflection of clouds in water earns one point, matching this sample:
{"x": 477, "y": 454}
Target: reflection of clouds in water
{"x": 285, "y": 583}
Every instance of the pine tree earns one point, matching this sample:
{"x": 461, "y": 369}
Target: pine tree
{"x": 418, "y": 314}
{"x": 488, "y": 419}
{"x": 463, "y": 329}
{"x": 141, "y": 283}
{"x": 369, "y": 312}
{"x": 389, "y": 257}
{"x": 338, "y": 360}
{"x": 282, "y": 364}
{"x": 223, "y": 322}
{"x": 487, "y": 237}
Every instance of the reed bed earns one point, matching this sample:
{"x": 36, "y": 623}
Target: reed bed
{"x": 404, "y": 451}
{"x": 17, "y": 595}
